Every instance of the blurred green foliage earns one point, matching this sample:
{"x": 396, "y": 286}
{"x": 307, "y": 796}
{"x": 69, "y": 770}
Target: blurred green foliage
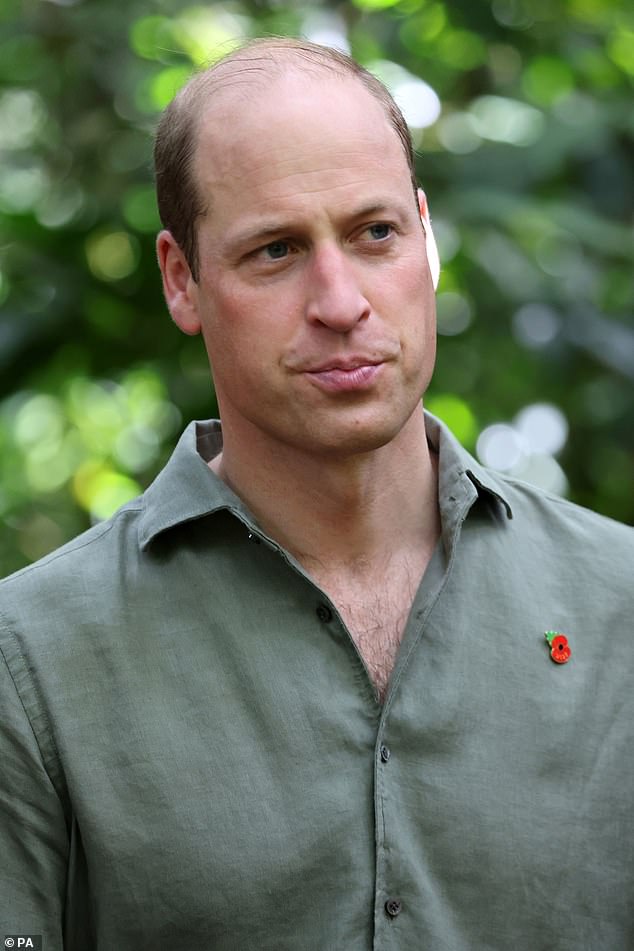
{"x": 527, "y": 167}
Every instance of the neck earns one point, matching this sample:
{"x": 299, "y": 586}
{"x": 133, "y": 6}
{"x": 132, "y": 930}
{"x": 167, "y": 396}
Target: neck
{"x": 343, "y": 511}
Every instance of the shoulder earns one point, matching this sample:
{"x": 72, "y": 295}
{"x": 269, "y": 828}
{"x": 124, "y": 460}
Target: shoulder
{"x": 536, "y": 518}
{"x": 570, "y": 534}
{"x": 78, "y": 581}
{"x": 85, "y": 553}
{"x": 100, "y": 587}
{"x": 529, "y": 501}
{"x": 95, "y": 562}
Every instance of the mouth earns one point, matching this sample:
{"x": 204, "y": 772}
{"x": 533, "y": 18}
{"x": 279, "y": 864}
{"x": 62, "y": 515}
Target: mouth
{"x": 343, "y": 363}
{"x": 346, "y": 375}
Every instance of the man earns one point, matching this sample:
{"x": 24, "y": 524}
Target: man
{"x": 328, "y": 684}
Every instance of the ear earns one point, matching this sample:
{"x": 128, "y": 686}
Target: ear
{"x": 433, "y": 258}
{"x": 179, "y": 287}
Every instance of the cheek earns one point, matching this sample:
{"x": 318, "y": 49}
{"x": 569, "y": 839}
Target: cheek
{"x": 244, "y": 344}
{"x": 256, "y": 311}
{"x": 412, "y": 285}
{"x": 418, "y": 301}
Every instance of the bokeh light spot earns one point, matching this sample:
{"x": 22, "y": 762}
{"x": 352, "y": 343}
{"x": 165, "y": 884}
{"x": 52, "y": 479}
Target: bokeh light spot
{"x": 536, "y": 325}
{"x": 40, "y": 418}
{"x": 418, "y": 102}
{"x": 547, "y": 79}
{"x": 543, "y": 427}
{"x": 136, "y": 448}
{"x": 456, "y": 413}
{"x": 457, "y": 134}
{"x": 22, "y": 117}
{"x": 113, "y": 255}
{"x": 166, "y": 84}
{"x": 461, "y": 49}
{"x": 423, "y": 27}
{"x": 506, "y": 120}
{"x": 140, "y": 209}
{"x": 21, "y": 188}
{"x": 59, "y": 205}
{"x": 152, "y": 36}
{"x": 454, "y": 313}
{"x": 447, "y": 238}
{"x": 206, "y": 33}
{"x": 500, "y": 447}
{"x": 374, "y": 4}
{"x": 543, "y": 472}
{"x": 621, "y": 49}
{"x": 327, "y": 28}
{"x": 101, "y": 490}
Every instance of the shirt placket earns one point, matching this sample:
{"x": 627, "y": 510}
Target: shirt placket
{"x": 395, "y": 924}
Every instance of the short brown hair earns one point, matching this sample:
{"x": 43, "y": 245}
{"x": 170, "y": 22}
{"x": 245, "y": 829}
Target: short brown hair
{"x": 179, "y": 202}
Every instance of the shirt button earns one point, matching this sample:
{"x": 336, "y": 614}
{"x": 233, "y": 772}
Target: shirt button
{"x": 393, "y": 907}
{"x": 385, "y": 753}
{"x": 324, "y": 613}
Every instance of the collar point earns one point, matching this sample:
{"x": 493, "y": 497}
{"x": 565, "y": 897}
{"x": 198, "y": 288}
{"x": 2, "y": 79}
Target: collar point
{"x": 482, "y": 486}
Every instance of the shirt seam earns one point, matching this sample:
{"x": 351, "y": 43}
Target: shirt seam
{"x": 52, "y": 764}
{"x": 72, "y": 547}
{"x": 536, "y": 491}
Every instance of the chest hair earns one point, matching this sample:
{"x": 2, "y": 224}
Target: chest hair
{"x": 375, "y": 610}
{"x": 377, "y": 627}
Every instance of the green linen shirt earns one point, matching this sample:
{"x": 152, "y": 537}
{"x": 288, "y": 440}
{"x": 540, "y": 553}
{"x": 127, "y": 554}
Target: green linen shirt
{"x": 192, "y": 753}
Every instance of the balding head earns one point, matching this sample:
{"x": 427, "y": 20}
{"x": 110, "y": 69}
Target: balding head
{"x": 240, "y": 73}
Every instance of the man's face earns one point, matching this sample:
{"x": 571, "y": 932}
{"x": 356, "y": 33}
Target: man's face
{"x": 314, "y": 296}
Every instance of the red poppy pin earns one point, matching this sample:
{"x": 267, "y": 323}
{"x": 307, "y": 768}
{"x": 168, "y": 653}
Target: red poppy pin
{"x": 559, "y": 648}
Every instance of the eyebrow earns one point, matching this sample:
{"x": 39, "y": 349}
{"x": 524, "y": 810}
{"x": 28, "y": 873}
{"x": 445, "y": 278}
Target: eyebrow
{"x": 258, "y": 235}
{"x": 266, "y": 231}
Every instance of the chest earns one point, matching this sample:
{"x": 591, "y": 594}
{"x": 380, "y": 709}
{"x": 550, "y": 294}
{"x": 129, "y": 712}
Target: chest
{"x": 377, "y": 630}
{"x": 375, "y": 613}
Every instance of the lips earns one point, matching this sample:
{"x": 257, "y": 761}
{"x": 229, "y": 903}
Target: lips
{"x": 343, "y": 363}
{"x": 346, "y": 375}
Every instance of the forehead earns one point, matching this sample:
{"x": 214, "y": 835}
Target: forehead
{"x": 262, "y": 128}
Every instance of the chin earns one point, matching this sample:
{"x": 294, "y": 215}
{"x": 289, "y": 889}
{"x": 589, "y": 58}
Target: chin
{"x": 353, "y": 439}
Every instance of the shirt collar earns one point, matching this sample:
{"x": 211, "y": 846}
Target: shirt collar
{"x": 187, "y": 489}
{"x": 459, "y": 473}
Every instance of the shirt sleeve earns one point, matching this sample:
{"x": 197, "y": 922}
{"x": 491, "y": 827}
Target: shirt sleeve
{"x": 33, "y": 834}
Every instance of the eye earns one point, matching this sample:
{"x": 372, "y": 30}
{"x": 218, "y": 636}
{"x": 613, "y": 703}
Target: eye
{"x": 379, "y": 231}
{"x": 276, "y": 250}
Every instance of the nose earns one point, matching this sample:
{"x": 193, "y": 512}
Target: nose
{"x": 334, "y": 298}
